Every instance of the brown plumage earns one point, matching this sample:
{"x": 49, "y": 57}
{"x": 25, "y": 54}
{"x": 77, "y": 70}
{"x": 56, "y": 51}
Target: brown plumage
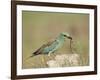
{"x": 40, "y": 50}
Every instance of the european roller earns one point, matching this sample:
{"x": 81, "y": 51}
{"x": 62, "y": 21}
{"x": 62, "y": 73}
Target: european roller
{"x": 52, "y": 46}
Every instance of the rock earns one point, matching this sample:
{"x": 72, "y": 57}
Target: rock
{"x": 64, "y": 60}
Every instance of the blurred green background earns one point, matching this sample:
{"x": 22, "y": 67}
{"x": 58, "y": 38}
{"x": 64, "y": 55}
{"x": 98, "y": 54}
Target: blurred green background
{"x": 41, "y": 27}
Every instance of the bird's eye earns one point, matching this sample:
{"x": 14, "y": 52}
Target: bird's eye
{"x": 64, "y": 35}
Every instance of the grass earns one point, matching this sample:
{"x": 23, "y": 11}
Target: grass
{"x": 59, "y": 59}
{"x": 41, "y": 27}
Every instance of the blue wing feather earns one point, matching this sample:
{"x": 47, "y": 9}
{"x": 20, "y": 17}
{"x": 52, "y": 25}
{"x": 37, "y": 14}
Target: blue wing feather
{"x": 50, "y": 47}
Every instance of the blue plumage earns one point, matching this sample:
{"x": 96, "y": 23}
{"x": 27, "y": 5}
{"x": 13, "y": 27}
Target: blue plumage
{"x": 51, "y": 47}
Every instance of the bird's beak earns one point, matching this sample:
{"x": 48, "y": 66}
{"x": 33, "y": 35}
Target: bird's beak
{"x": 69, "y": 37}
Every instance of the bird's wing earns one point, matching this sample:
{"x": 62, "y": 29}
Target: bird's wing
{"x": 40, "y": 50}
{"x": 49, "y": 43}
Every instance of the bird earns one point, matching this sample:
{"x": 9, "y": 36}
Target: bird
{"x": 52, "y": 46}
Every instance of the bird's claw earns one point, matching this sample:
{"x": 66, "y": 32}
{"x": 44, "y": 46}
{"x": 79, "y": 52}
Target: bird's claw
{"x": 49, "y": 54}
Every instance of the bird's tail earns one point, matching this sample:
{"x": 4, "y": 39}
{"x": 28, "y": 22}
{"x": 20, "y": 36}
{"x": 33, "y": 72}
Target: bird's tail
{"x": 30, "y": 56}
{"x": 33, "y": 54}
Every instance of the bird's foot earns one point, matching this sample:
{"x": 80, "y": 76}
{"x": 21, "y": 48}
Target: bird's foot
{"x": 49, "y": 54}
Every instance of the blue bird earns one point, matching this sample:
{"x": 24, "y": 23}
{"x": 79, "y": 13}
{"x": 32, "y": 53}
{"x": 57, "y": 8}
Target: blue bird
{"x": 52, "y": 46}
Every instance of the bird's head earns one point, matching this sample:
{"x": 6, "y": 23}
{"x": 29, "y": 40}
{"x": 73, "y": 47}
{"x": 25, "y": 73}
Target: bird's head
{"x": 66, "y": 35}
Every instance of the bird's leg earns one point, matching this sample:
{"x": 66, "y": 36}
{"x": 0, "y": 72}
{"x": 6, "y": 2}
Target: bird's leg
{"x": 49, "y": 53}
